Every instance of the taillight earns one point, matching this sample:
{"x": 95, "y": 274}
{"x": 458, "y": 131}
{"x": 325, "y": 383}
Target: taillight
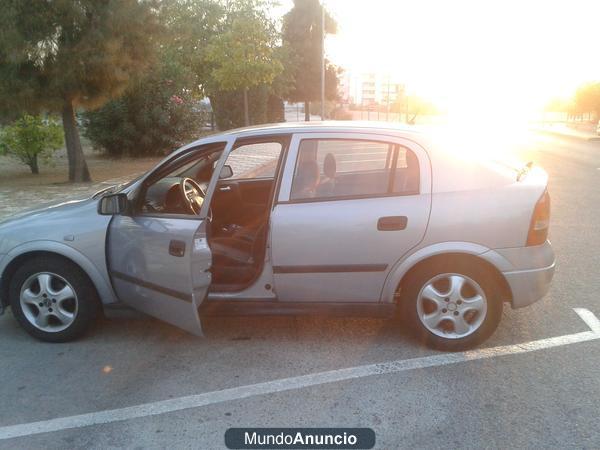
{"x": 540, "y": 221}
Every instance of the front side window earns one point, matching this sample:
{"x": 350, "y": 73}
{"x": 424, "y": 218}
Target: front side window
{"x": 182, "y": 186}
{"x": 345, "y": 168}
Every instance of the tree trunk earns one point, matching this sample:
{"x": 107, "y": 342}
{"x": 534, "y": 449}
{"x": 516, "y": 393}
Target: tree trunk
{"x": 78, "y": 169}
{"x": 33, "y": 165}
{"x": 246, "y": 114}
{"x": 306, "y": 111}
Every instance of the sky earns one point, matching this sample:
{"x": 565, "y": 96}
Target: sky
{"x": 466, "y": 55}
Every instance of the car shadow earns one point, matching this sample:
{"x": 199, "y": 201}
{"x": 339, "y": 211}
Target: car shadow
{"x": 246, "y": 328}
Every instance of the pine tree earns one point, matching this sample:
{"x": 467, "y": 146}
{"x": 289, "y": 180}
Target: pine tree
{"x": 60, "y": 55}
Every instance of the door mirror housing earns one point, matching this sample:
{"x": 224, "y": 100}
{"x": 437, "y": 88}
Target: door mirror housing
{"x": 226, "y": 172}
{"x": 112, "y": 204}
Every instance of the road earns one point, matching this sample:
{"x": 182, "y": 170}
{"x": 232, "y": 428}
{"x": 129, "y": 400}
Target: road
{"x": 508, "y": 397}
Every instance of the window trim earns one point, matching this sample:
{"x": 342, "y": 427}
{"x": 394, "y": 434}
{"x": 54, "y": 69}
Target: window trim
{"x": 395, "y": 149}
{"x": 393, "y": 168}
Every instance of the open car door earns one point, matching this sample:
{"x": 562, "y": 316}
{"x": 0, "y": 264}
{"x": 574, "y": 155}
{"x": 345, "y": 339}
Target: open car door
{"x": 159, "y": 263}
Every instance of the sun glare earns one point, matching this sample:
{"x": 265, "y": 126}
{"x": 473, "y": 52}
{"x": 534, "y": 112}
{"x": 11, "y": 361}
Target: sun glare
{"x": 492, "y": 61}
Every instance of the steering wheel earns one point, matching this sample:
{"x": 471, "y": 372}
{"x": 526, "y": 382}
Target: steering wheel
{"x": 193, "y": 195}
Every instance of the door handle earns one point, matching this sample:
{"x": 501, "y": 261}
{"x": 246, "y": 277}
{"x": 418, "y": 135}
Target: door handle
{"x": 392, "y": 223}
{"x": 225, "y": 188}
{"x": 177, "y": 248}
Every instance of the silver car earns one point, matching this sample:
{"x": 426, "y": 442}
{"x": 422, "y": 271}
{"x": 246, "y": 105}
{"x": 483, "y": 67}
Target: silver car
{"x": 317, "y": 218}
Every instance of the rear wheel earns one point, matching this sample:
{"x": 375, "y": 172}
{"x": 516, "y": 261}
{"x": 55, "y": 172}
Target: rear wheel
{"x": 53, "y": 299}
{"x": 452, "y": 306}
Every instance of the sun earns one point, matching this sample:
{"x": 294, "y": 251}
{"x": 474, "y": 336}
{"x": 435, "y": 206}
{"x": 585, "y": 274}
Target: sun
{"x": 498, "y": 60}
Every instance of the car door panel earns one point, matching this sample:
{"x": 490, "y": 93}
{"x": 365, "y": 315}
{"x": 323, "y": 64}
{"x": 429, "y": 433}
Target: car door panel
{"x": 341, "y": 250}
{"x": 147, "y": 274}
{"x": 238, "y": 201}
{"x": 256, "y": 192}
{"x": 226, "y": 201}
{"x": 248, "y": 191}
{"x": 159, "y": 263}
{"x": 334, "y": 251}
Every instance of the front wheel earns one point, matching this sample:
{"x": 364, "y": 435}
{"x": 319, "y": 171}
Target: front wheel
{"x": 452, "y": 306}
{"x": 53, "y": 299}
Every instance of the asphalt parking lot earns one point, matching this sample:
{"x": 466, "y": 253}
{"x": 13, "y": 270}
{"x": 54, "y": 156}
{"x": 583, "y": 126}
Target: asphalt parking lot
{"x": 544, "y": 394}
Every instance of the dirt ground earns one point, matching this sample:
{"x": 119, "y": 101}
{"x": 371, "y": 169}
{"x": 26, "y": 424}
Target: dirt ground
{"x": 21, "y": 190}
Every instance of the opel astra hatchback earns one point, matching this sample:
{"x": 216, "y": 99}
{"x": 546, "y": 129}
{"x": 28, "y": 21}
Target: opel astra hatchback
{"x": 326, "y": 218}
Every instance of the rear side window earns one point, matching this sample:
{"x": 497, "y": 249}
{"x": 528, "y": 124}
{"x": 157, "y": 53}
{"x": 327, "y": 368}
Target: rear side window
{"x": 344, "y": 168}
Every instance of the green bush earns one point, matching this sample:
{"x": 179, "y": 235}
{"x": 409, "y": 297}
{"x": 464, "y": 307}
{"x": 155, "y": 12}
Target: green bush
{"x": 155, "y": 116}
{"x": 31, "y": 138}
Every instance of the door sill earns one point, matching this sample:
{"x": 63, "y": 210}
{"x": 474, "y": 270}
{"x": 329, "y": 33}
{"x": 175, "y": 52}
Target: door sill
{"x": 277, "y": 308}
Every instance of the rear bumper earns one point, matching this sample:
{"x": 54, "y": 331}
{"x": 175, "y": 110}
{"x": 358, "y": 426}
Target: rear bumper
{"x": 528, "y": 272}
{"x": 529, "y": 286}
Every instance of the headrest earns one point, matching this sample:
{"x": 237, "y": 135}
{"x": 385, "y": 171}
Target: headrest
{"x": 329, "y": 165}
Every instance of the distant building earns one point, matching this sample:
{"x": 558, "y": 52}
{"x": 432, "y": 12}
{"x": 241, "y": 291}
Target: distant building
{"x": 370, "y": 89}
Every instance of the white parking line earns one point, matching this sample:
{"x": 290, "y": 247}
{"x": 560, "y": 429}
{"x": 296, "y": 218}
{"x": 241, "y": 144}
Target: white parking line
{"x": 299, "y": 382}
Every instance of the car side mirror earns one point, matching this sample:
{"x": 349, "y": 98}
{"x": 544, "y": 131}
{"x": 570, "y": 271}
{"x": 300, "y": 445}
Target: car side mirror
{"x": 112, "y": 204}
{"x": 226, "y": 172}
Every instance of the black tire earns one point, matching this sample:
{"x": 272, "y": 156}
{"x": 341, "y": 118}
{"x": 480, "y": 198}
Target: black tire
{"x": 87, "y": 298}
{"x": 418, "y": 278}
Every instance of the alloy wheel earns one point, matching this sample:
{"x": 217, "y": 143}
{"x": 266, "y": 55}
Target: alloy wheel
{"x": 452, "y": 306}
{"x": 48, "y": 302}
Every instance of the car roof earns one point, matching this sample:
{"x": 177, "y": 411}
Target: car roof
{"x": 476, "y": 171}
{"x": 342, "y": 126}
{"x": 330, "y": 126}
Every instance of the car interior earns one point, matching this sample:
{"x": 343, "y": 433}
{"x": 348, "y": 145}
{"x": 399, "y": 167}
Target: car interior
{"x": 238, "y": 231}
{"x": 239, "y": 214}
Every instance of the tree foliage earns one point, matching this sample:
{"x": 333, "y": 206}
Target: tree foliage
{"x": 157, "y": 114}
{"x": 64, "y": 54}
{"x": 302, "y": 29}
{"x": 198, "y": 36}
{"x": 243, "y": 56}
{"x": 30, "y": 138}
{"x": 189, "y": 27}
